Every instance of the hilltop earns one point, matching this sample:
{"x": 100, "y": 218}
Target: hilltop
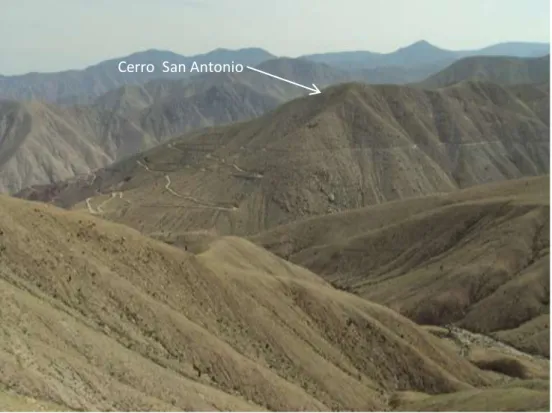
{"x": 497, "y": 69}
{"x": 352, "y": 146}
{"x": 230, "y": 327}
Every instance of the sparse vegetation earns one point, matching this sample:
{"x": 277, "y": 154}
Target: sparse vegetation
{"x": 504, "y": 365}
{"x": 476, "y": 258}
{"x": 372, "y": 248}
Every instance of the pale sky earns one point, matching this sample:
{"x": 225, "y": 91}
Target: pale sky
{"x": 53, "y": 35}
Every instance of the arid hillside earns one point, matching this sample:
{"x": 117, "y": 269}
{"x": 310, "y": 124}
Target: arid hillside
{"x": 504, "y": 70}
{"x": 478, "y": 258}
{"x": 352, "y": 146}
{"x": 43, "y": 143}
{"x": 96, "y": 316}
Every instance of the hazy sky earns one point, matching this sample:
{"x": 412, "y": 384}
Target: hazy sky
{"x": 52, "y": 35}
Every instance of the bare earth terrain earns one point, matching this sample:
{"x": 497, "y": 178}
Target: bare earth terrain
{"x": 352, "y": 146}
{"x": 369, "y": 248}
{"x": 96, "y": 316}
{"x": 478, "y": 258}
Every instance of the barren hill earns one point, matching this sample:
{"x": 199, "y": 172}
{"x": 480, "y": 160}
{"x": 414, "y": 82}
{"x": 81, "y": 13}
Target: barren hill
{"x": 352, "y": 146}
{"x": 83, "y": 86}
{"x": 41, "y": 143}
{"x": 478, "y": 257}
{"x": 96, "y": 316}
{"x": 503, "y": 70}
{"x": 55, "y": 143}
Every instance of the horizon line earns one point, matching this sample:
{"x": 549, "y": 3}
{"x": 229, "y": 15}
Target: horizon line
{"x": 267, "y": 51}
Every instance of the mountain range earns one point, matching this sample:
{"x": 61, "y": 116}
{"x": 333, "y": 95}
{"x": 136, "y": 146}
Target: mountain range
{"x": 43, "y": 142}
{"x": 352, "y": 146}
{"x": 424, "y": 53}
{"x": 133, "y": 118}
{"x": 80, "y": 86}
{"x": 228, "y": 242}
{"x": 408, "y": 64}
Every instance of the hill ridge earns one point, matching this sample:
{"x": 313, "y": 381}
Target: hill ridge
{"x": 233, "y": 326}
{"x": 353, "y": 145}
{"x": 504, "y": 70}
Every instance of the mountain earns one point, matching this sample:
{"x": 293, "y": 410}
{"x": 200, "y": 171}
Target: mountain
{"x": 305, "y": 72}
{"x": 43, "y": 143}
{"x": 352, "y": 146}
{"x": 497, "y": 69}
{"x": 95, "y": 316}
{"x": 518, "y": 49}
{"x": 536, "y": 97}
{"x": 82, "y": 86}
{"x": 416, "y": 62}
{"x": 418, "y": 53}
{"x": 397, "y": 74}
{"x": 423, "y": 53}
{"x": 478, "y": 258}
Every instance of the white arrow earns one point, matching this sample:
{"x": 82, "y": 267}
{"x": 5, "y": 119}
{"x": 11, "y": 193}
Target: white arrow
{"x": 314, "y": 90}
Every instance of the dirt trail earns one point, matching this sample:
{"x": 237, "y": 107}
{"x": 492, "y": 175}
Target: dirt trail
{"x": 237, "y": 168}
{"x": 99, "y": 209}
{"x": 92, "y": 178}
{"x": 254, "y": 175}
{"x": 168, "y": 187}
{"x": 200, "y": 203}
{"x": 90, "y": 208}
{"x": 104, "y": 203}
{"x": 143, "y": 165}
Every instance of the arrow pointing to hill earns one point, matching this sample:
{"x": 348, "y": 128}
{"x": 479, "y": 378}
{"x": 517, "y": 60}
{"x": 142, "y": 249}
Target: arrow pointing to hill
{"x": 314, "y": 90}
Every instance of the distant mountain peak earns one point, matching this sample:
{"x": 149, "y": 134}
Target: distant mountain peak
{"x": 421, "y": 45}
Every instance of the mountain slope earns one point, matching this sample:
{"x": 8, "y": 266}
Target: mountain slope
{"x": 424, "y": 53}
{"x": 496, "y": 69}
{"x": 42, "y": 143}
{"x": 477, "y": 257}
{"x": 85, "y": 326}
{"x": 31, "y": 132}
{"x": 518, "y": 49}
{"x": 351, "y": 146}
{"x": 397, "y": 74}
{"x": 82, "y": 86}
{"x": 56, "y": 143}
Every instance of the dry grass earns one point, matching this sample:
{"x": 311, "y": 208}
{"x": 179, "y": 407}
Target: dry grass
{"x": 11, "y": 402}
{"x": 501, "y": 400}
{"x": 95, "y": 316}
{"x": 478, "y": 257}
{"x": 503, "y": 365}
